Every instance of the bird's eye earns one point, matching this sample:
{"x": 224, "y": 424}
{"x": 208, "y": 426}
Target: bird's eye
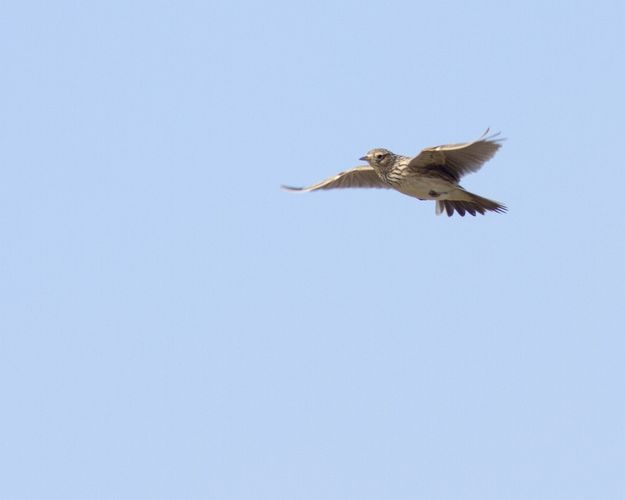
{"x": 379, "y": 155}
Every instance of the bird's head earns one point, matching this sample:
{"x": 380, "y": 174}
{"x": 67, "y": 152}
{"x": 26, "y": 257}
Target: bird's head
{"x": 378, "y": 157}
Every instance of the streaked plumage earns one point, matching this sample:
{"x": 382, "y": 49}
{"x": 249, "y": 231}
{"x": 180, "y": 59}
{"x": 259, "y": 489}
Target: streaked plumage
{"x": 434, "y": 174}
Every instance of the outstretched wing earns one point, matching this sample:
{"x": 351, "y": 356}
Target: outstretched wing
{"x": 357, "y": 177}
{"x": 452, "y": 161}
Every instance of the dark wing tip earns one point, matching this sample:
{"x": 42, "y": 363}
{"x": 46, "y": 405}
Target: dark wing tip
{"x": 291, "y": 188}
{"x": 489, "y": 136}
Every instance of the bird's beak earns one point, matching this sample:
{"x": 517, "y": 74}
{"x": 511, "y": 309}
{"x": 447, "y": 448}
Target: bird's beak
{"x": 364, "y": 158}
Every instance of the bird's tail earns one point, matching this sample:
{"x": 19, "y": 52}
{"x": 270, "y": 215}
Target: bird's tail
{"x": 470, "y": 203}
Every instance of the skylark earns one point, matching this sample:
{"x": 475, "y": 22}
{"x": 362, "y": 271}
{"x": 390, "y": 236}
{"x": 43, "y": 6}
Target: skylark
{"x": 434, "y": 174}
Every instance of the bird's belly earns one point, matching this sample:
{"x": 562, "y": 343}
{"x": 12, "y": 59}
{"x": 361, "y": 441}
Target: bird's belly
{"x": 424, "y": 188}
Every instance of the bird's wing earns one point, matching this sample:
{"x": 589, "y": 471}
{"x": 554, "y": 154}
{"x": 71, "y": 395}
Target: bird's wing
{"x": 456, "y": 160}
{"x": 357, "y": 177}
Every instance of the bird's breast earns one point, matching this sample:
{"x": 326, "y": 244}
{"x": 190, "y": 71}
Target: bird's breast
{"x": 424, "y": 188}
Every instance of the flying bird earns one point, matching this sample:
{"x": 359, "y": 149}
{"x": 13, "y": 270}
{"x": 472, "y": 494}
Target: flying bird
{"x": 434, "y": 174}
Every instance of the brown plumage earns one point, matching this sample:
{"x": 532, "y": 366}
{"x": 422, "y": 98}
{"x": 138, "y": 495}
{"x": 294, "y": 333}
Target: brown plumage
{"x": 433, "y": 174}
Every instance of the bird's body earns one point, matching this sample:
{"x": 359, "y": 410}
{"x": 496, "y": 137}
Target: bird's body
{"x": 433, "y": 174}
{"x": 398, "y": 176}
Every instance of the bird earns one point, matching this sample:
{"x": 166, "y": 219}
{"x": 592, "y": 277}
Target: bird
{"x": 434, "y": 174}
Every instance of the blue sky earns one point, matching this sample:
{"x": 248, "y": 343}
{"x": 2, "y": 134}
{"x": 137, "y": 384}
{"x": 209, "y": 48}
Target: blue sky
{"x": 173, "y": 325}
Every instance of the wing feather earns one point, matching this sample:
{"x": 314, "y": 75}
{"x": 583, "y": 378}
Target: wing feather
{"x": 456, "y": 160}
{"x": 357, "y": 177}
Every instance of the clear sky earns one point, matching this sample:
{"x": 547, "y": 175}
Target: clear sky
{"x": 173, "y": 325}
